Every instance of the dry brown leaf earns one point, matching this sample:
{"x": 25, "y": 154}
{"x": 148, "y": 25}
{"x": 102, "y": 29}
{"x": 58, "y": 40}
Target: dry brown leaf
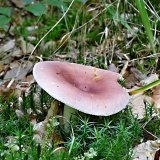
{"x": 40, "y": 135}
{"x": 18, "y": 3}
{"x": 14, "y": 64}
{"x": 57, "y": 138}
{"x": 17, "y": 53}
{"x": 54, "y": 110}
{"x": 40, "y": 128}
{"x": 1, "y": 67}
{"x": 30, "y": 79}
{"x": 7, "y": 46}
{"x": 21, "y": 88}
{"x": 40, "y": 131}
{"x": 19, "y": 72}
{"x": 151, "y": 78}
{"x": 133, "y": 77}
{"x": 49, "y": 45}
{"x": 156, "y": 98}
{"x": 113, "y": 68}
{"x": 138, "y": 105}
{"x": 139, "y": 75}
{"x": 137, "y": 101}
{"x": 7, "y": 58}
{"x": 2, "y": 34}
{"x": 25, "y": 46}
{"x": 7, "y": 91}
{"x": 131, "y": 81}
{"x": 146, "y": 151}
{"x": 24, "y": 85}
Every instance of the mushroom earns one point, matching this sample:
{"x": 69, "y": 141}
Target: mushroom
{"x": 87, "y": 89}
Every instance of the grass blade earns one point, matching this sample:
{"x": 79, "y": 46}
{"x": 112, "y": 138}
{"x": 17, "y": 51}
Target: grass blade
{"x": 146, "y": 22}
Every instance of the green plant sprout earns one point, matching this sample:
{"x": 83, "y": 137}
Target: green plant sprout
{"x": 145, "y": 88}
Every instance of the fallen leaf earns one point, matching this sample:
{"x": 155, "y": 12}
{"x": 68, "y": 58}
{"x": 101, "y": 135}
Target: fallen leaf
{"x": 24, "y": 85}
{"x": 146, "y": 150}
{"x": 17, "y": 53}
{"x": 54, "y": 110}
{"x": 150, "y": 79}
{"x": 12, "y": 143}
{"x": 138, "y": 105}
{"x": 156, "y": 97}
{"x": 3, "y": 72}
{"x": 18, "y": 3}
{"x": 29, "y": 79}
{"x": 49, "y": 122}
{"x": 131, "y": 81}
{"x": 157, "y": 155}
{"x": 7, "y": 58}
{"x": 137, "y": 100}
{"x": 39, "y": 128}
{"x": 8, "y": 46}
{"x": 1, "y": 67}
{"x": 5, "y": 90}
{"x": 139, "y": 75}
{"x": 25, "y": 46}
{"x": 2, "y": 35}
{"x": 37, "y": 138}
{"x": 49, "y": 45}
{"x": 19, "y": 72}
{"x": 133, "y": 77}
{"x": 113, "y": 68}
{"x": 14, "y": 64}
{"x": 57, "y": 138}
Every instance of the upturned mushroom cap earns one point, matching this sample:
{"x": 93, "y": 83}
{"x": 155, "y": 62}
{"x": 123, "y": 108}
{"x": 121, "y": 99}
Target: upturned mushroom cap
{"x": 88, "y": 89}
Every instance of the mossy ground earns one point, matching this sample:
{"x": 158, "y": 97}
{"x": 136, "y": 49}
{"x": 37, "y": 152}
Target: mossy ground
{"x": 94, "y": 33}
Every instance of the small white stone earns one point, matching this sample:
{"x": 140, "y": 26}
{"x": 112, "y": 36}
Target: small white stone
{"x": 32, "y": 28}
{"x": 31, "y": 38}
{"x": 19, "y": 113}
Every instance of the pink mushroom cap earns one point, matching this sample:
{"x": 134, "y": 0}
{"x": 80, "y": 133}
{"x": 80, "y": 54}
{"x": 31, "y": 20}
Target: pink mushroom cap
{"x": 88, "y": 89}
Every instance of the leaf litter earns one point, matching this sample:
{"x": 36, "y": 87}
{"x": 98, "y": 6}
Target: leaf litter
{"x": 137, "y": 101}
{"x": 146, "y": 150}
{"x": 20, "y": 72}
{"x": 11, "y": 68}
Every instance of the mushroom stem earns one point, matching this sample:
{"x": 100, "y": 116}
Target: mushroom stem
{"x": 68, "y": 114}
{"x": 145, "y": 88}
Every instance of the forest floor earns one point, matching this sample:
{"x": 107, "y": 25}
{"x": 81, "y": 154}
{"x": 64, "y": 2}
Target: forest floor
{"x": 107, "y": 35}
